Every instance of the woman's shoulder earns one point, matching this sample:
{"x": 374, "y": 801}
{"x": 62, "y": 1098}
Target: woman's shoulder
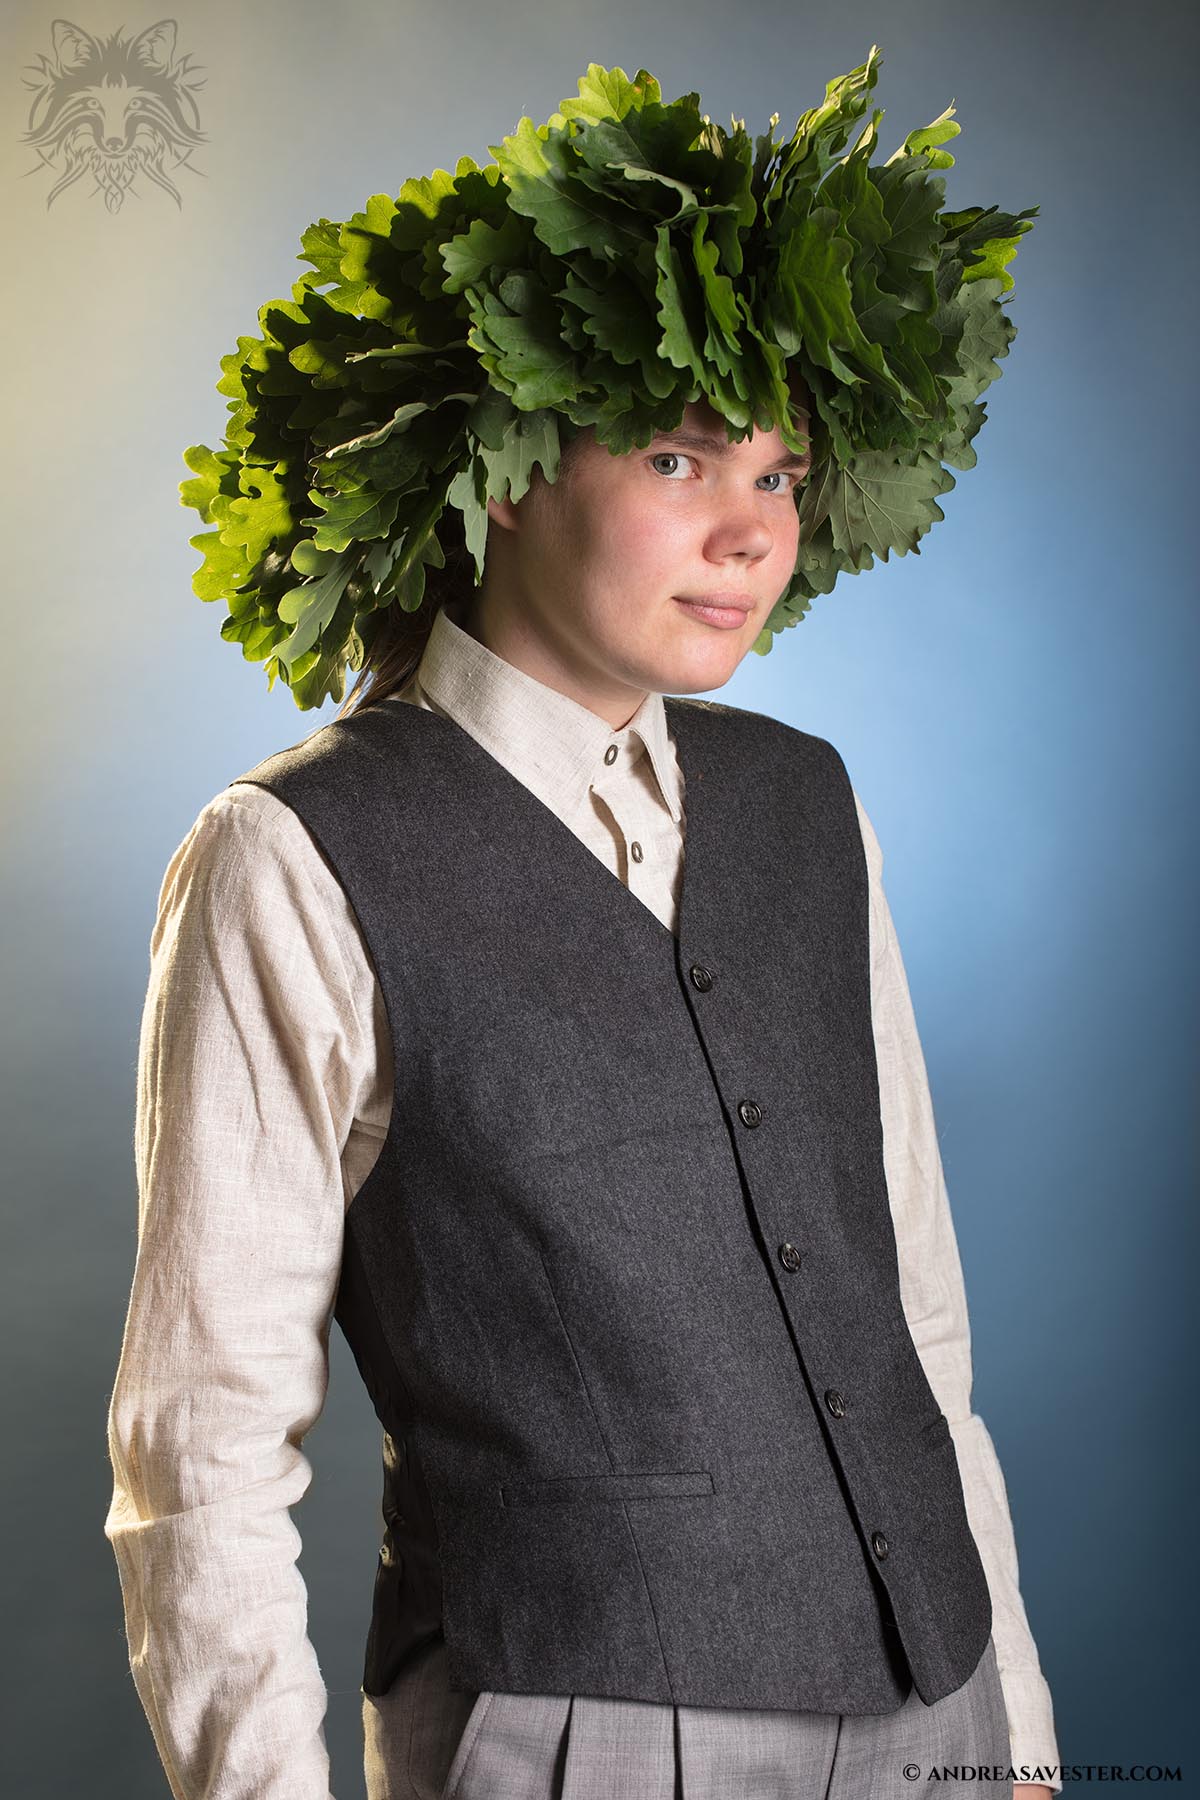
{"x": 241, "y": 838}
{"x": 871, "y": 845}
{"x": 249, "y": 864}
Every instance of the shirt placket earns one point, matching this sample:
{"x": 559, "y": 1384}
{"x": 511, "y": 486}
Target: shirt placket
{"x": 616, "y": 787}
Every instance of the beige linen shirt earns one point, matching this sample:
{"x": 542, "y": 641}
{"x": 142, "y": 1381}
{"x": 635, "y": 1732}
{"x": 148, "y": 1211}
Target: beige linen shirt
{"x": 264, "y": 1093}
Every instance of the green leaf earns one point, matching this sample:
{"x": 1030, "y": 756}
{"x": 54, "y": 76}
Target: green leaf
{"x": 615, "y": 323}
{"x": 985, "y": 337}
{"x": 309, "y": 608}
{"x": 540, "y": 166}
{"x": 986, "y": 239}
{"x": 366, "y": 440}
{"x": 814, "y": 288}
{"x": 675, "y": 302}
{"x": 306, "y": 559}
{"x": 473, "y": 255}
{"x": 610, "y": 94}
{"x": 468, "y": 492}
{"x": 518, "y": 337}
{"x": 261, "y": 513}
{"x": 878, "y": 504}
{"x": 353, "y": 517}
{"x": 216, "y": 473}
{"x": 224, "y": 568}
{"x": 533, "y": 441}
{"x": 722, "y": 343}
{"x": 994, "y": 257}
{"x": 956, "y": 447}
{"x": 819, "y": 138}
{"x": 926, "y": 140}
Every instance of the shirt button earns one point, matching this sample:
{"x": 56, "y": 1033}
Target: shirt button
{"x": 879, "y": 1544}
{"x": 835, "y": 1403}
{"x": 610, "y": 755}
{"x": 700, "y": 977}
{"x": 750, "y": 1112}
{"x": 635, "y": 850}
{"x": 789, "y": 1256}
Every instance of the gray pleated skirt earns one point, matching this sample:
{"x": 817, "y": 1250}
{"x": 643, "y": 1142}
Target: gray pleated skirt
{"x": 425, "y": 1742}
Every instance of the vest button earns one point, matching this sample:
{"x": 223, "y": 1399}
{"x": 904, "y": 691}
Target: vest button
{"x": 750, "y": 1112}
{"x": 700, "y": 977}
{"x": 610, "y": 755}
{"x": 835, "y": 1403}
{"x": 789, "y": 1256}
{"x": 879, "y": 1544}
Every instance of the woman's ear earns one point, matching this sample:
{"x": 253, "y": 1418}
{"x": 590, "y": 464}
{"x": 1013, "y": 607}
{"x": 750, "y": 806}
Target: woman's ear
{"x": 504, "y": 512}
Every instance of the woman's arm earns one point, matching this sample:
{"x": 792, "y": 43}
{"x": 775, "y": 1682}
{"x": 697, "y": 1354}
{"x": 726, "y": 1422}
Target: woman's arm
{"x": 244, "y": 1099}
{"x": 935, "y": 1306}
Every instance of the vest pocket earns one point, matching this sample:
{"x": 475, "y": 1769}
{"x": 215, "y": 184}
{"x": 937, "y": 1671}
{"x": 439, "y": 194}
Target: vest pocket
{"x": 673, "y": 1485}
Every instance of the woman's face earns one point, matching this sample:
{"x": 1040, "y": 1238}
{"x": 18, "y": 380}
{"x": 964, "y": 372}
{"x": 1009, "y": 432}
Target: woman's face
{"x": 588, "y": 578}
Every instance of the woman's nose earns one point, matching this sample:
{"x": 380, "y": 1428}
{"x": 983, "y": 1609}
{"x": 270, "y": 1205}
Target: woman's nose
{"x": 739, "y": 527}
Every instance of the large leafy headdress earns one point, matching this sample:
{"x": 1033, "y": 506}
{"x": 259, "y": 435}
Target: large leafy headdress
{"x": 611, "y": 265}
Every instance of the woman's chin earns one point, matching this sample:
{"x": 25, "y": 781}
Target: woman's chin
{"x": 701, "y": 660}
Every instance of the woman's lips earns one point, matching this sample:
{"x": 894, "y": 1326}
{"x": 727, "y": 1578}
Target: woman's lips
{"x": 726, "y": 615}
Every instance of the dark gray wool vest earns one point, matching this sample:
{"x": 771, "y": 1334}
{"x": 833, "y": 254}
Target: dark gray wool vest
{"x": 623, "y": 1284}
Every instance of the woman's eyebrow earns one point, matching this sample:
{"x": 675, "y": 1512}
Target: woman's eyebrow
{"x": 718, "y": 445}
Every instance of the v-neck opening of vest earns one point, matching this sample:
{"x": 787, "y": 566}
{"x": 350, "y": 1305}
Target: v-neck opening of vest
{"x": 555, "y": 821}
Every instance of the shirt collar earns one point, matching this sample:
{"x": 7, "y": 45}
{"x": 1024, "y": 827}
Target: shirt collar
{"x": 550, "y": 742}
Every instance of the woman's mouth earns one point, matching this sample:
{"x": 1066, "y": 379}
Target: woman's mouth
{"x": 726, "y": 612}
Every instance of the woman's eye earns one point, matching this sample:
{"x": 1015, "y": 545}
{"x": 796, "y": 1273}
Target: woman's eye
{"x": 669, "y": 456}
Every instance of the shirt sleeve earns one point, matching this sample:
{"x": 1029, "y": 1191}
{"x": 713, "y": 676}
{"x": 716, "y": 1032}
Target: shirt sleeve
{"x": 245, "y": 1094}
{"x": 935, "y": 1306}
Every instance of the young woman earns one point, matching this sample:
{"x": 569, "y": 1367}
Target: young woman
{"x": 547, "y": 1026}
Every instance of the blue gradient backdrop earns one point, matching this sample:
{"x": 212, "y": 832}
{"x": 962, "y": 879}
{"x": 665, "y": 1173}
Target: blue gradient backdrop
{"x": 1014, "y": 705}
